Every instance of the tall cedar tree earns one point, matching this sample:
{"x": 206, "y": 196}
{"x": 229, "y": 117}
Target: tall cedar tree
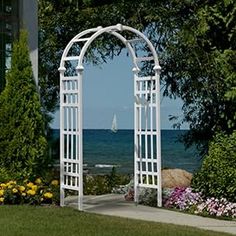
{"x": 22, "y": 140}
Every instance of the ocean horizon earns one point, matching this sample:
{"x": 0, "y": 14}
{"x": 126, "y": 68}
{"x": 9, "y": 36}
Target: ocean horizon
{"x": 103, "y": 149}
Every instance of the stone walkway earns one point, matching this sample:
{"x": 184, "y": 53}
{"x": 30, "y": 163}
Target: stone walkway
{"x": 115, "y": 205}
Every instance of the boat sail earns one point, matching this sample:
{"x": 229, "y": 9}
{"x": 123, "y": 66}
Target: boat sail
{"x": 114, "y": 124}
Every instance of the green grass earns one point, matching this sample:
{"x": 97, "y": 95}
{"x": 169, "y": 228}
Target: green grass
{"x": 29, "y": 220}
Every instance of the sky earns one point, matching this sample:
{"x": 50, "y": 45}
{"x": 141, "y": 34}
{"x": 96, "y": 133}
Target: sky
{"x": 108, "y": 90}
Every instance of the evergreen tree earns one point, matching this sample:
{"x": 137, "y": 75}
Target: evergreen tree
{"x": 22, "y": 139}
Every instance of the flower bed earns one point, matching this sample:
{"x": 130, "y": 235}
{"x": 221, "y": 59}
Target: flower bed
{"x": 28, "y": 192}
{"x": 182, "y": 198}
{"x": 185, "y": 199}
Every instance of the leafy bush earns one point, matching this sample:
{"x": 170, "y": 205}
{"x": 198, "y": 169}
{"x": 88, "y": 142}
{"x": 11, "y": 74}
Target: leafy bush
{"x": 113, "y": 178}
{"x": 148, "y": 196}
{"x": 5, "y": 174}
{"x": 9, "y": 173}
{"x": 22, "y": 138}
{"x": 96, "y": 185}
{"x": 102, "y": 184}
{"x": 217, "y": 176}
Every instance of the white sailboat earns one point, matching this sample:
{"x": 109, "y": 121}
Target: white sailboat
{"x": 114, "y": 124}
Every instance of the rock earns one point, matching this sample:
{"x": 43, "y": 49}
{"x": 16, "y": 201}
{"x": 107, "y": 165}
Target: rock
{"x": 172, "y": 178}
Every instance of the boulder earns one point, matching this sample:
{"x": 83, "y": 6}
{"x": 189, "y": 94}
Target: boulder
{"x": 172, "y": 178}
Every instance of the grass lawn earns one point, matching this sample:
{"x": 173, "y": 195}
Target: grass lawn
{"x": 30, "y": 220}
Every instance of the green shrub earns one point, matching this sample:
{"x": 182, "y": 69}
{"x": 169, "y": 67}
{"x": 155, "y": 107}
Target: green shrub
{"x": 113, "y": 178}
{"x": 7, "y": 174}
{"x": 22, "y": 129}
{"x": 103, "y": 184}
{"x": 217, "y": 176}
{"x": 4, "y": 175}
{"x": 96, "y": 185}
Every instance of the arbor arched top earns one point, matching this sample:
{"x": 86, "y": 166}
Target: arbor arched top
{"x": 88, "y": 36}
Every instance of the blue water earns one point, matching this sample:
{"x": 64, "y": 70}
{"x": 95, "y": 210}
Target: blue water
{"x": 102, "y": 147}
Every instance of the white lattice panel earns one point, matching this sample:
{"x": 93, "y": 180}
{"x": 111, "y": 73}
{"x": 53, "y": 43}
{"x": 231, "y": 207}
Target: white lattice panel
{"x": 147, "y": 135}
{"x": 71, "y": 138}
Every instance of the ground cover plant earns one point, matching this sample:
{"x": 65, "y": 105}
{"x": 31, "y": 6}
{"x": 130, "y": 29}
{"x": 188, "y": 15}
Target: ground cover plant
{"x": 185, "y": 199}
{"x": 29, "y": 192}
{"x": 41, "y": 221}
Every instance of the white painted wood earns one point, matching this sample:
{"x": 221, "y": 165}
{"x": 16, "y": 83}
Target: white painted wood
{"x": 147, "y": 151}
{"x": 80, "y": 143}
{"x": 145, "y": 135}
{"x": 71, "y": 58}
{"x": 138, "y": 59}
{"x": 80, "y": 40}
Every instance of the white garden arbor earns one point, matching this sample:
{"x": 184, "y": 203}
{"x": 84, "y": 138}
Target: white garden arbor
{"x": 147, "y": 151}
